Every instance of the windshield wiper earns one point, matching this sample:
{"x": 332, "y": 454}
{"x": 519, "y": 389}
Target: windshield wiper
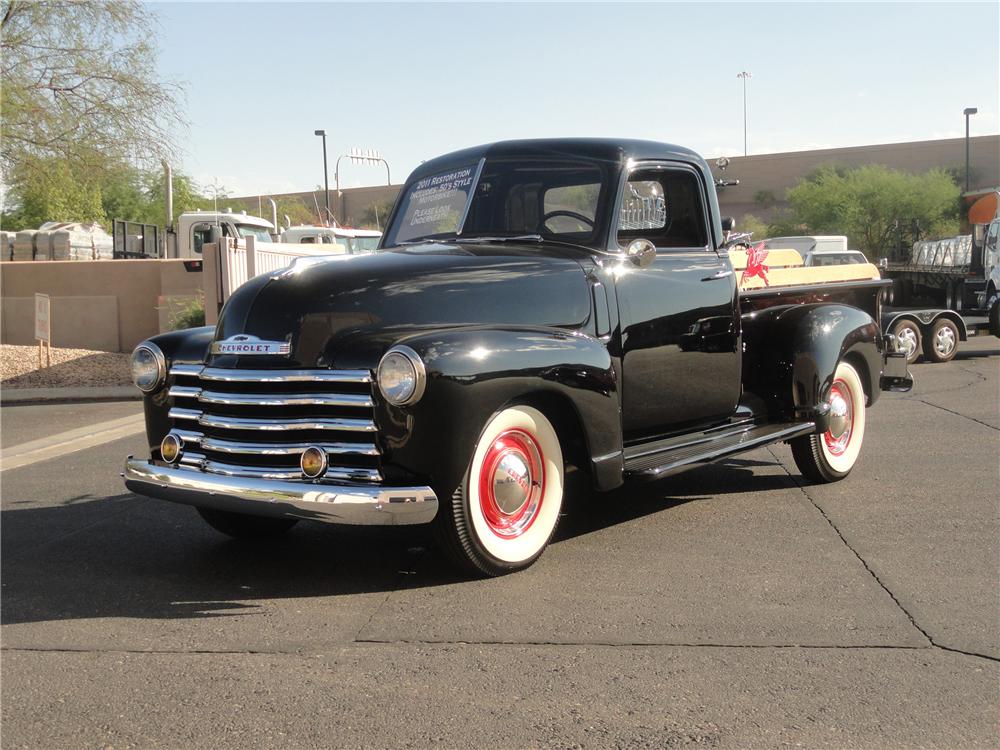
{"x": 428, "y": 241}
{"x": 518, "y": 238}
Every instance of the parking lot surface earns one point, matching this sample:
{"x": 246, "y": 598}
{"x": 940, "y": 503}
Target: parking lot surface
{"x": 732, "y": 606}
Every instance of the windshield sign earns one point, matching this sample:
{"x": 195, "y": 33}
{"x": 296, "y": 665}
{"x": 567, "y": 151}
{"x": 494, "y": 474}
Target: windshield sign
{"x": 435, "y": 205}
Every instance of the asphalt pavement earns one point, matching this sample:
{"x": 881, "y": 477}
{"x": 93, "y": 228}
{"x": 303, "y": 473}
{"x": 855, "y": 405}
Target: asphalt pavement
{"x": 730, "y": 607}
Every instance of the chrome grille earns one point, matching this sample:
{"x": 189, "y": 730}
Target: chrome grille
{"x": 257, "y": 423}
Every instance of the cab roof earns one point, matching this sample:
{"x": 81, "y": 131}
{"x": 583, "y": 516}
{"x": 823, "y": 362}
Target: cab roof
{"x": 612, "y": 150}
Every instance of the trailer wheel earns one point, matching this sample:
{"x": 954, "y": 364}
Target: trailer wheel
{"x": 829, "y": 457}
{"x": 942, "y": 344}
{"x": 907, "y": 333}
{"x": 995, "y": 319}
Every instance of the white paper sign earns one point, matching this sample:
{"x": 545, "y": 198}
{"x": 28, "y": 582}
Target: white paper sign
{"x": 43, "y": 331}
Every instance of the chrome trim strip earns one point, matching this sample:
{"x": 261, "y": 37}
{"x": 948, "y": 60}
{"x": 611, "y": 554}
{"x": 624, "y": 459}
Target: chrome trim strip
{"x": 284, "y": 425}
{"x": 188, "y": 437}
{"x": 179, "y": 413}
{"x": 285, "y": 376}
{"x": 183, "y": 391}
{"x": 283, "y": 449}
{"x": 289, "y": 399}
{"x": 330, "y": 503}
{"x": 340, "y": 473}
{"x": 189, "y": 370}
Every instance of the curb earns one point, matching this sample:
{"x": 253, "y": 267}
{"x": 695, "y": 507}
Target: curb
{"x": 24, "y": 396}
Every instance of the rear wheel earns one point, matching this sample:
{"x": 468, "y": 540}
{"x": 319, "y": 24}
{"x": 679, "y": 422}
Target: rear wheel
{"x": 942, "y": 344}
{"x": 830, "y": 456}
{"x": 503, "y": 515}
{"x": 243, "y": 526}
{"x": 907, "y": 333}
{"x": 995, "y": 318}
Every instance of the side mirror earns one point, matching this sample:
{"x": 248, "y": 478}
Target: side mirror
{"x": 641, "y": 252}
{"x": 728, "y": 223}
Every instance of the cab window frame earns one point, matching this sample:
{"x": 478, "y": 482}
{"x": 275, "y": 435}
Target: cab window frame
{"x": 661, "y": 165}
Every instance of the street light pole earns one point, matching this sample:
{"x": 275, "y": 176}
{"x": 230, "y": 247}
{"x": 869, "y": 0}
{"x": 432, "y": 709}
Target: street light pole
{"x": 326, "y": 175}
{"x": 744, "y": 75}
{"x": 968, "y": 112}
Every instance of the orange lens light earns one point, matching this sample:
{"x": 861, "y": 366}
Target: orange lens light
{"x": 313, "y": 462}
{"x": 170, "y": 448}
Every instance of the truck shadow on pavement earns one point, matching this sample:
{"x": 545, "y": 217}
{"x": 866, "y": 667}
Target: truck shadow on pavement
{"x": 126, "y": 557}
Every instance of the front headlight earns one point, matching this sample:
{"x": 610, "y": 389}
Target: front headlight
{"x": 149, "y": 367}
{"x": 401, "y": 376}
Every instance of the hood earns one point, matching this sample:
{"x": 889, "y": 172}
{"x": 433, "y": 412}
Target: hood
{"x": 344, "y": 311}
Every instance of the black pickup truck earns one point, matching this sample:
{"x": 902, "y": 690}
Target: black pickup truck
{"x": 534, "y": 305}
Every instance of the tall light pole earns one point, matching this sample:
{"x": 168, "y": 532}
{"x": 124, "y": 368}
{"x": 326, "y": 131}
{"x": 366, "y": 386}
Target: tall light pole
{"x": 968, "y": 112}
{"x": 326, "y": 174}
{"x": 744, "y": 75}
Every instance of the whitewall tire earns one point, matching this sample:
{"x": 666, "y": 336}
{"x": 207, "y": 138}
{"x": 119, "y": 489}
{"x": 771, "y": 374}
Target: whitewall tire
{"x": 502, "y": 517}
{"x": 830, "y": 456}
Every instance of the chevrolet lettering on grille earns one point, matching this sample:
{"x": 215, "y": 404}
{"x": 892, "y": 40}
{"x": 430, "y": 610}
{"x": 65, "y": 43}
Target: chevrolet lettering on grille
{"x": 245, "y": 345}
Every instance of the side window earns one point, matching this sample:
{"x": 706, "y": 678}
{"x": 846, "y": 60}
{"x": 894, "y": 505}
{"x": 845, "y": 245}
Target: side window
{"x": 665, "y": 207}
{"x": 991, "y": 236}
{"x": 307, "y": 240}
{"x": 200, "y": 234}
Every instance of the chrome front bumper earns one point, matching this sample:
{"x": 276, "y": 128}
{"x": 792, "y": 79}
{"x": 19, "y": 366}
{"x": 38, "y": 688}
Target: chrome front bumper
{"x": 358, "y": 505}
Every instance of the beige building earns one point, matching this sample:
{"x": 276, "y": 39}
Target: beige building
{"x": 771, "y": 175}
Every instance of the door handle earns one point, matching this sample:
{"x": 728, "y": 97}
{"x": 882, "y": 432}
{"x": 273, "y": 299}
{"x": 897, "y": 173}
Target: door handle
{"x": 719, "y": 275}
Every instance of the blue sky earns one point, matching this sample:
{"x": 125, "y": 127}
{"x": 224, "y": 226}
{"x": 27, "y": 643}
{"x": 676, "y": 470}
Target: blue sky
{"x": 417, "y": 80}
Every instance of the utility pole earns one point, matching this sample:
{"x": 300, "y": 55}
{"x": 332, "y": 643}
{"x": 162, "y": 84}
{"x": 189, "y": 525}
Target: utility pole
{"x": 968, "y": 112}
{"x": 326, "y": 175}
{"x": 744, "y": 75}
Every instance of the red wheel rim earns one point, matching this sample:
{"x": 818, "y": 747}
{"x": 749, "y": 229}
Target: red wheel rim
{"x": 838, "y": 437}
{"x": 511, "y": 483}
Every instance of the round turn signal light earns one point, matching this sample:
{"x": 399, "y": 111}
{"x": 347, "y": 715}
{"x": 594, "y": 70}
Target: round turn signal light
{"x": 313, "y": 462}
{"x": 170, "y": 448}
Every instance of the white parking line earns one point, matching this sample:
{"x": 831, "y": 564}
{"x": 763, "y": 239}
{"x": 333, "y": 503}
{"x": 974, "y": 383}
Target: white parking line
{"x": 70, "y": 441}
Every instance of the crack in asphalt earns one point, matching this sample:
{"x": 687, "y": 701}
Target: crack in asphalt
{"x": 930, "y": 640}
{"x": 432, "y": 642}
{"x": 956, "y": 413}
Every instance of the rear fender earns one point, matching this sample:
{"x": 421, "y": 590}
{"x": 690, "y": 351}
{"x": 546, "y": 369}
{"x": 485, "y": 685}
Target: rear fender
{"x": 473, "y": 373}
{"x": 792, "y": 352}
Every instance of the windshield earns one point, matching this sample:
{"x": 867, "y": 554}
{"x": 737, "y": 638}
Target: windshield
{"x": 364, "y": 244}
{"x": 556, "y": 199}
{"x": 258, "y": 233}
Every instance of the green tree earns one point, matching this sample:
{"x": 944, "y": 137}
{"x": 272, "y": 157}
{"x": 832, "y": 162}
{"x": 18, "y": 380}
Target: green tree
{"x": 750, "y": 223}
{"x": 78, "y": 81}
{"x": 375, "y": 215}
{"x": 864, "y": 203}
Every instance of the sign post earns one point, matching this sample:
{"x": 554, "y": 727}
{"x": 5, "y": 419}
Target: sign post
{"x": 43, "y": 329}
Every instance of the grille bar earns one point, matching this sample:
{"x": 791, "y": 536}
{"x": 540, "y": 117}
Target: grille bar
{"x": 286, "y": 449}
{"x": 285, "y": 425}
{"x": 282, "y": 376}
{"x": 271, "y": 399}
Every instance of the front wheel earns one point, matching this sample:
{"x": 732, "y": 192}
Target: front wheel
{"x": 503, "y": 515}
{"x": 829, "y": 457}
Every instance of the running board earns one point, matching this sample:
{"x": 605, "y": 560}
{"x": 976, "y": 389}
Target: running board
{"x": 656, "y": 460}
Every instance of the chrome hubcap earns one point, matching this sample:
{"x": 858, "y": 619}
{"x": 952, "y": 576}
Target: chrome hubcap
{"x": 511, "y": 483}
{"x": 839, "y": 415}
{"x": 907, "y": 341}
{"x": 838, "y": 433}
{"x": 944, "y": 341}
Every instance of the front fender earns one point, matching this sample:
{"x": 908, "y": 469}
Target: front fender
{"x": 187, "y": 346}
{"x": 792, "y": 353}
{"x": 472, "y": 373}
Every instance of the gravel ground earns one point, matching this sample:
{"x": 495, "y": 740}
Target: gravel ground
{"x": 70, "y": 368}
